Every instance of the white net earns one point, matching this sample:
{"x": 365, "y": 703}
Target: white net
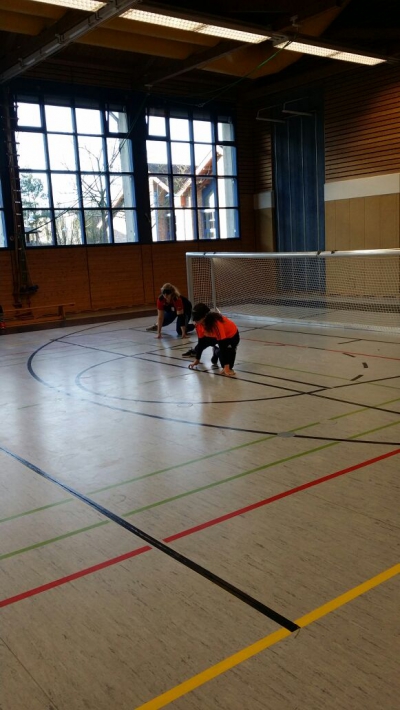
{"x": 357, "y": 289}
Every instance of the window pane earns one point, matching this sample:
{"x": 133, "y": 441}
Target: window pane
{"x": 59, "y": 119}
{"x": 94, "y": 192}
{"x": 226, "y": 160}
{"x": 160, "y": 192}
{"x": 157, "y": 156}
{"x": 88, "y": 121}
{"x": 34, "y": 190}
{"x": 122, "y": 191}
{"x": 228, "y": 224}
{"x": 162, "y": 225}
{"x": 226, "y": 132}
{"x": 3, "y": 238}
{"x": 68, "y": 227}
{"x": 179, "y": 129}
{"x": 157, "y": 126}
{"x": 119, "y": 155}
{"x": 38, "y": 230}
{"x": 91, "y": 154}
{"x": 61, "y": 152}
{"x": 227, "y": 192}
{"x": 203, "y": 159}
{"x": 117, "y": 121}
{"x": 205, "y": 191}
{"x": 124, "y": 224}
{"x": 30, "y": 149}
{"x": 185, "y": 225}
{"x": 202, "y": 131}
{"x": 65, "y": 190}
{"x": 29, "y": 115}
{"x": 180, "y": 156}
{"x": 207, "y": 223}
{"x": 183, "y": 192}
{"x": 97, "y": 227}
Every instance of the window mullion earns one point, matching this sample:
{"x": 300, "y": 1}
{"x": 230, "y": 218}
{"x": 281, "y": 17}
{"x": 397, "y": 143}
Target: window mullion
{"x": 48, "y": 174}
{"x": 78, "y": 175}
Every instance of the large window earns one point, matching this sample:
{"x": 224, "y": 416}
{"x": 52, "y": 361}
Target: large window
{"x": 192, "y": 177}
{"x": 76, "y": 173}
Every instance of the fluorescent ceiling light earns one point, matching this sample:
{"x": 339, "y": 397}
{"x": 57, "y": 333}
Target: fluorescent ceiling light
{"x": 329, "y": 53}
{"x": 177, "y": 23}
{"x": 88, "y": 5}
{"x": 228, "y": 33}
{"x": 163, "y": 20}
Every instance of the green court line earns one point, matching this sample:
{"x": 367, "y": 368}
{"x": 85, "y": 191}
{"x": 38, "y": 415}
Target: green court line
{"x": 53, "y": 539}
{"x": 185, "y": 463}
{"x": 195, "y": 490}
{"x": 376, "y": 384}
{"x": 149, "y": 475}
{"x": 363, "y": 409}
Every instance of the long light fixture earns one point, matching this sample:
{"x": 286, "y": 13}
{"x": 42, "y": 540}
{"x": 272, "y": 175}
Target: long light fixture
{"x": 178, "y": 23}
{"x": 330, "y": 53}
{"x": 280, "y": 41}
{"x": 87, "y": 5}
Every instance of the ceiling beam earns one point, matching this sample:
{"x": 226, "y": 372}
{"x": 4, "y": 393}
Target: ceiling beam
{"x": 46, "y": 48}
{"x": 195, "y": 61}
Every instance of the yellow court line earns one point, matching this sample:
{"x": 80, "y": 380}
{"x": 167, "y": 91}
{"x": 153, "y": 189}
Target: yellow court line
{"x": 210, "y": 673}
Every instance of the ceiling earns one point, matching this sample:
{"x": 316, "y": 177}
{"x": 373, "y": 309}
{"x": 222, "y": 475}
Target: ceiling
{"x": 154, "y": 56}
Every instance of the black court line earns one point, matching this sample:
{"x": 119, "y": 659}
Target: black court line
{"x": 220, "y": 426}
{"x": 295, "y": 393}
{"x": 241, "y": 379}
{"x": 357, "y": 377}
{"x": 162, "y": 547}
{"x": 346, "y": 342}
{"x": 329, "y": 335}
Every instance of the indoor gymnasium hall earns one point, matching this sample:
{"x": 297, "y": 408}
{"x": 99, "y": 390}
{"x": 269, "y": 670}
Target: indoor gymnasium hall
{"x": 161, "y": 527}
{"x": 171, "y": 536}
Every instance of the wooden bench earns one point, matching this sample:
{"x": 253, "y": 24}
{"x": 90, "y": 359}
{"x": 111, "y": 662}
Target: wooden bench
{"x": 35, "y": 314}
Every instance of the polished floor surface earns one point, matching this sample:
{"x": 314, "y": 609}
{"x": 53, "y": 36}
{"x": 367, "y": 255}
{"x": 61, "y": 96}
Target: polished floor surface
{"x": 179, "y": 538}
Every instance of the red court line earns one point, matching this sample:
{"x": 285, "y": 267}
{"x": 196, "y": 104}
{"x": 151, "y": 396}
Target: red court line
{"x": 75, "y": 575}
{"x": 278, "y": 496}
{"x": 313, "y": 347}
{"x": 189, "y": 531}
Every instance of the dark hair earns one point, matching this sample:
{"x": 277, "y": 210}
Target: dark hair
{"x": 199, "y": 311}
{"x": 211, "y": 320}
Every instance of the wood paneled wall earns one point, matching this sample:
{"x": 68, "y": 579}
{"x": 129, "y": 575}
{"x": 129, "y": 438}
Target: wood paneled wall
{"x": 262, "y": 155}
{"x": 105, "y": 277}
{"x": 362, "y": 123}
{"x": 363, "y": 223}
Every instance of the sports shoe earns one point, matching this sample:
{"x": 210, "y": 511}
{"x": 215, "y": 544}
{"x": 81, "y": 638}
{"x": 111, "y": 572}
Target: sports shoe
{"x": 152, "y": 329}
{"x": 190, "y": 353}
{"x": 215, "y": 357}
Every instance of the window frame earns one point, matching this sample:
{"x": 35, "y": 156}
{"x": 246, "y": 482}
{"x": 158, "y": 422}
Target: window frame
{"x": 197, "y": 210}
{"x": 105, "y": 174}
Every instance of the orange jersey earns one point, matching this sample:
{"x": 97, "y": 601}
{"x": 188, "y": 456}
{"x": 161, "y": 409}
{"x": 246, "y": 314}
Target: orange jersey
{"x": 200, "y": 330}
{"x": 223, "y": 329}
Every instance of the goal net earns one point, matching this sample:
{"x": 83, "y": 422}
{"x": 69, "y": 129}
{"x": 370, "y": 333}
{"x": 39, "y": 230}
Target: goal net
{"x": 354, "y": 289}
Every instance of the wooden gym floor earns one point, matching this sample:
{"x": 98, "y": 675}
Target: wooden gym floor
{"x": 177, "y": 538}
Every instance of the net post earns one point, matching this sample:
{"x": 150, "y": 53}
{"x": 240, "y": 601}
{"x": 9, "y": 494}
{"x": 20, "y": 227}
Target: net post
{"x": 213, "y": 289}
{"x": 189, "y": 278}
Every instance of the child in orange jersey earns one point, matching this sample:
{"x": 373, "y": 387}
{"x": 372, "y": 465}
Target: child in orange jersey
{"x": 224, "y": 331}
{"x": 203, "y": 342}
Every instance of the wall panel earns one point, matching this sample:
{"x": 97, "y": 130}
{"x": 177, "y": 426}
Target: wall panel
{"x": 362, "y": 123}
